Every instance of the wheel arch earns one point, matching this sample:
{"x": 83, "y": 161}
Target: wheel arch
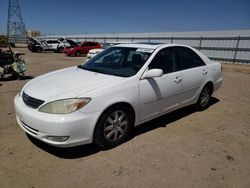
{"x": 38, "y": 47}
{"x": 117, "y": 104}
{"x": 210, "y": 85}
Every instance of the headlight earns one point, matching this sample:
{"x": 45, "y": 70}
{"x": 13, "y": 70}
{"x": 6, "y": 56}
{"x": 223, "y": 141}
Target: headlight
{"x": 64, "y": 106}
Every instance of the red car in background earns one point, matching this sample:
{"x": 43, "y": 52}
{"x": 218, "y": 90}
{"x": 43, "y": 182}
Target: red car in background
{"x": 82, "y": 48}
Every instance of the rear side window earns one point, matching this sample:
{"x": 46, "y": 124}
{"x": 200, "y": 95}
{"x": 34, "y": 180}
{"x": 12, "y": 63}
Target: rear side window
{"x": 93, "y": 44}
{"x": 52, "y": 41}
{"x": 90, "y": 44}
{"x": 187, "y": 58}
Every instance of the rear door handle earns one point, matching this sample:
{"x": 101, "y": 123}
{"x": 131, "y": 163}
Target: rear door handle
{"x": 177, "y": 79}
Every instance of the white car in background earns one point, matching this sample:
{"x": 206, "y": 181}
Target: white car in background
{"x": 125, "y": 85}
{"x": 94, "y": 52}
{"x": 56, "y": 45}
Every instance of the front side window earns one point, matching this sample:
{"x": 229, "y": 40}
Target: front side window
{"x": 187, "y": 58}
{"x": 118, "y": 61}
{"x": 164, "y": 60}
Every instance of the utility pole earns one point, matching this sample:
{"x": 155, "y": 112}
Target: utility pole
{"x": 16, "y": 30}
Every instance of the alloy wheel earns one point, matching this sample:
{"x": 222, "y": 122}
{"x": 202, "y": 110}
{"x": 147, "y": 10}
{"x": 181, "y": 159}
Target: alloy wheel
{"x": 115, "y": 126}
{"x": 205, "y": 97}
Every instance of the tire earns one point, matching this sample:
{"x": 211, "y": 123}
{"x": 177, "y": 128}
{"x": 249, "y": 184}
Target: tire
{"x": 60, "y": 50}
{"x": 113, "y": 127}
{"x": 12, "y": 44}
{"x": 204, "y": 98}
{"x": 39, "y": 49}
{"x": 1, "y": 72}
{"x": 78, "y": 53}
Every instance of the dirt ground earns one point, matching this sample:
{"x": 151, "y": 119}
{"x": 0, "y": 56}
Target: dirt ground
{"x": 185, "y": 148}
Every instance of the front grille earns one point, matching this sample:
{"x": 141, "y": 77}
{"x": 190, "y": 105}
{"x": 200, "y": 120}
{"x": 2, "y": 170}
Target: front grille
{"x": 31, "y": 102}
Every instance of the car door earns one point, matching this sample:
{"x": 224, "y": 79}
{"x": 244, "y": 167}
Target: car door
{"x": 193, "y": 73}
{"x": 160, "y": 94}
{"x": 45, "y": 45}
{"x": 54, "y": 44}
{"x": 49, "y": 44}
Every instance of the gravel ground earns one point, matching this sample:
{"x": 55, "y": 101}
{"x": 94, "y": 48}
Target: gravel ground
{"x": 185, "y": 148}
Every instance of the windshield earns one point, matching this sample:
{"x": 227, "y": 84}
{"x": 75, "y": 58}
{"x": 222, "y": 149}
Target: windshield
{"x": 118, "y": 61}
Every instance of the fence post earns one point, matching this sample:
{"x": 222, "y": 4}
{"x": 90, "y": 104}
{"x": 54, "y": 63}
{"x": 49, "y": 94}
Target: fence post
{"x": 236, "y": 49}
{"x": 200, "y": 43}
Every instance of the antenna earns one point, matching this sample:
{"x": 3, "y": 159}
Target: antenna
{"x": 16, "y": 30}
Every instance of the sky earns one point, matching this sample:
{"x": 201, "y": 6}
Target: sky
{"x": 129, "y": 16}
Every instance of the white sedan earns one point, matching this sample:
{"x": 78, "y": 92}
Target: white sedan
{"x": 94, "y": 52}
{"x": 126, "y": 85}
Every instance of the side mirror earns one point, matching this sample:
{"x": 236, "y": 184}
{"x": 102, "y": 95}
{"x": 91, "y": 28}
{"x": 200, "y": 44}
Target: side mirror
{"x": 152, "y": 73}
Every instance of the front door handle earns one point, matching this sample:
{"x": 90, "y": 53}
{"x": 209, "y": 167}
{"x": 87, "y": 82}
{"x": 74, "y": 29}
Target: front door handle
{"x": 204, "y": 72}
{"x": 177, "y": 79}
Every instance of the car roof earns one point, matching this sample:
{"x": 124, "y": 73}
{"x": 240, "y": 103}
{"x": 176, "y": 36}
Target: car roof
{"x": 152, "y": 46}
{"x": 139, "y": 45}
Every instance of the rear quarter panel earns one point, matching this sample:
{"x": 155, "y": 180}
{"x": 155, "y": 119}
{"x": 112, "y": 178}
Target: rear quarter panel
{"x": 215, "y": 69}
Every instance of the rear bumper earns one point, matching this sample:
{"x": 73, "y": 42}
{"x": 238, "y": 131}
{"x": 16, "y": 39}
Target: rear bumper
{"x": 218, "y": 84}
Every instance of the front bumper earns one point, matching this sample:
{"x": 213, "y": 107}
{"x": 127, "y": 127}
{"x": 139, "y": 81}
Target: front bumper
{"x": 77, "y": 126}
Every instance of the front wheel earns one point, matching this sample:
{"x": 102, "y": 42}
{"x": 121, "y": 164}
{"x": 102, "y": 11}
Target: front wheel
{"x": 204, "y": 98}
{"x": 113, "y": 127}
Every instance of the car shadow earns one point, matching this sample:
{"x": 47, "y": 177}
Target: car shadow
{"x": 90, "y": 149}
{"x": 67, "y": 153}
{"x": 165, "y": 120}
{"x": 12, "y": 78}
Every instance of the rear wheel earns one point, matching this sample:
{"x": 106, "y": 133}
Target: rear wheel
{"x": 1, "y": 72}
{"x": 204, "y": 98}
{"x": 113, "y": 127}
{"x": 39, "y": 49}
{"x": 78, "y": 53}
{"x": 60, "y": 50}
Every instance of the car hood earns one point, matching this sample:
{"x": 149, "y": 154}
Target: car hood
{"x": 67, "y": 83}
{"x": 32, "y": 41}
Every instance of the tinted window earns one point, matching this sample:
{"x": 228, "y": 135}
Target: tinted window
{"x": 85, "y": 44}
{"x": 93, "y": 44}
{"x": 52, "y": 41}
{"x": 89, "y": 44}
{"x": 187, "y": 58}
{"x": 164, "y": 60}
